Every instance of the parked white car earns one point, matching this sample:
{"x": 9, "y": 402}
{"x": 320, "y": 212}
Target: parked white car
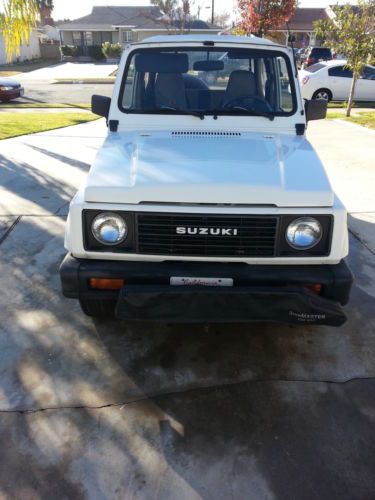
{"x": 332, "y": 80}
{"x": 206, "y": 201}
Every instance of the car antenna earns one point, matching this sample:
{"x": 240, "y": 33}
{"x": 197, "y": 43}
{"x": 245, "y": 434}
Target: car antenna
{"x": 291, "y": 40}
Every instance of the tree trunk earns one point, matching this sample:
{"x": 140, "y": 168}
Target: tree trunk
{"x": 351, "y": 96}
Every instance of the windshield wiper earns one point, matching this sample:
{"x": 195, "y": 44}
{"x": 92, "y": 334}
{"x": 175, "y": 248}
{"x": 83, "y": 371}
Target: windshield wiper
{"x": 169, "y": 110}
{"x": 243, "y": 110}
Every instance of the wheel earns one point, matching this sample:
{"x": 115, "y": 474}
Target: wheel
{"x": 323, "y": 95}
{"x": 98, "y": 308}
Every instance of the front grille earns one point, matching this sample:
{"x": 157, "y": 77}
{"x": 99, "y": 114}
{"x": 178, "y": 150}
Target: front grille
{"x": 249, "y": 236}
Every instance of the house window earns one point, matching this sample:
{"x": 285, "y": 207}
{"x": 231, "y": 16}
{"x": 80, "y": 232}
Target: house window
{"x": 77, "y": 40}
{"x": 89, "y": 39}
{"x": 126, "y": 36}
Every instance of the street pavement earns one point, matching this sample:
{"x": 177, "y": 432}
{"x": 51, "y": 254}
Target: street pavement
{"x": 63, "y": 93}
{"x": 103, "y": 409}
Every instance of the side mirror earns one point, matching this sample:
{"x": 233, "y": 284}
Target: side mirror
{"x": 100, "y": 105}
{"x": 316, "y": 109}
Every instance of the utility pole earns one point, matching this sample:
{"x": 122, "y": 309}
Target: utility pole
{"x": 213, "y": 12}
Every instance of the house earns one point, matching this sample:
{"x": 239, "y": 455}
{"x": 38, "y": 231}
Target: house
{"x": 123, "y": 25}
{"x": 301, "y": 26}
{"x": 28, "y": 51}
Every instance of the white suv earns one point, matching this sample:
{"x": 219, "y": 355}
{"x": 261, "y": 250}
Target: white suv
{"x": 206, "y": 201}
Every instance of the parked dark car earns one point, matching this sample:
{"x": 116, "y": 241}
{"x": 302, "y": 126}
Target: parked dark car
{"x": 10, "y": 89}
{"x": 314, "y": 55}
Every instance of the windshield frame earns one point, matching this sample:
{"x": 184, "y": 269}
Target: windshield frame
{"x": 216, "y": 48}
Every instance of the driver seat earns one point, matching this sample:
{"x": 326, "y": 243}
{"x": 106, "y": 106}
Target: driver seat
{"x": 241, "y": 85}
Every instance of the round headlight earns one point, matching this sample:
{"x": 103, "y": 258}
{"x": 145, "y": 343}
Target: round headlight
{"x": 109, "y": 228}
{"x": 304, "y": 233}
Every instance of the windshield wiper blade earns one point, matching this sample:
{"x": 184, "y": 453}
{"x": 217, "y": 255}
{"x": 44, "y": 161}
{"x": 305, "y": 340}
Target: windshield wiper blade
{"x": 244, "y": 111}
{"x": 170, "y": 110}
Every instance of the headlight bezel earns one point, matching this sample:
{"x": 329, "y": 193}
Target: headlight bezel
{"x": 321, "y": 249}
{"x": 91, "y": 243}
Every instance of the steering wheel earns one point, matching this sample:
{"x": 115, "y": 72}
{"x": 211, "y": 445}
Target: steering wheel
{"x": 249, "y": 103}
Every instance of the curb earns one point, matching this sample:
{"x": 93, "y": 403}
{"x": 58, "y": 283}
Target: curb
{"x": 80, "y": 81}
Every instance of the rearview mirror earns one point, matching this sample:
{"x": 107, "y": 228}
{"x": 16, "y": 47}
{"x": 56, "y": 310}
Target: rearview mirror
{"x": 316, "y": 109}
{"x": 100, "y": 105}
{"x": 208, "y": 65}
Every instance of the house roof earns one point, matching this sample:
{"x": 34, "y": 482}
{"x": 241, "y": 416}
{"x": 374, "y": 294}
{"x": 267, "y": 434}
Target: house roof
{"x": 107, "y": 18}
{"x": 303, "y": 19}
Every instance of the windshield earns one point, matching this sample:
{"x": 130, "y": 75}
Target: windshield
{"x": 208, "y": 81}
{"x": 315, "y": 67}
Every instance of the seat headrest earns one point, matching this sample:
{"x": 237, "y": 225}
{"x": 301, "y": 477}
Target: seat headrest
{"x": 170, "y": 90}
{"x": 241, "y": 84}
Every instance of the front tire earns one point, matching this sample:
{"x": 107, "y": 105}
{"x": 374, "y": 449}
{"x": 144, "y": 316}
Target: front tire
{"x": 322, "y": 95}
{"x": 98, "y": 308}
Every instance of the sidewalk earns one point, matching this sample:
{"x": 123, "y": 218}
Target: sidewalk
{"x": 69, "y": 71}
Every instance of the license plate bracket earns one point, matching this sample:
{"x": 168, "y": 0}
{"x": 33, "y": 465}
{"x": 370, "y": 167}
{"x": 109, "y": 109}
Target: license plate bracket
{"x": 197, "y": 281}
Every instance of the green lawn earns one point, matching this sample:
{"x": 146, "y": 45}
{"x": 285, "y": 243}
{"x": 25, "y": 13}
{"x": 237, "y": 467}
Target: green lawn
{"x": 42, "y": 105}
{"x": 13, "y": 125}
{"x": 358, "y": 104}
{"x": 367, "y": 119}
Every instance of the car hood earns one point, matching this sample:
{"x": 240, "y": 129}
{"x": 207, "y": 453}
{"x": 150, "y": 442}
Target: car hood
{"x": 208, "y": 167}
{"x": 8, "y": 82}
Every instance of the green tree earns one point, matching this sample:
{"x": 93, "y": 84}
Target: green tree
{"x": 16, "y": 23}
{"x": 351, "y": 32}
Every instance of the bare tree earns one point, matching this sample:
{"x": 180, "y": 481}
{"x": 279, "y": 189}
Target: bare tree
{"x": 176, "y": 14}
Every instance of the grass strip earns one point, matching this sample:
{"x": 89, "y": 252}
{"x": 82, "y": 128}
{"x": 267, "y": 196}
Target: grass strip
{"x": 14, "y": 125}
{"x": 366, "y": 119}
{"x": 42, "y": 105}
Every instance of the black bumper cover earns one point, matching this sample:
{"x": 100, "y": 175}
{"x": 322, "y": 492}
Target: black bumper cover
{"x": 260, "y": 293}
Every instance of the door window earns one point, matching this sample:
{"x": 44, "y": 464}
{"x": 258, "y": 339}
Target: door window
{"x": 368, "y": 73}
{"x": 341, "y": 72}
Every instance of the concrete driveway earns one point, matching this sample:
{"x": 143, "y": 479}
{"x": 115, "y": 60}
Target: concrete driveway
{"x": 104, "y": 409}
{"x": 68, "y": 70}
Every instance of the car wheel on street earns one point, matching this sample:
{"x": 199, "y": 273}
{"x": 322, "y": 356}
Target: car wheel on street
{"x": 98, "y": 308}
{"x": 322, "y": 95}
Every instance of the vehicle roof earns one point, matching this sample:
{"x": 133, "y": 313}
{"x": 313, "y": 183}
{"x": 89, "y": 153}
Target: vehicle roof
{"x": 334, "y": 62}
{"x": 251, "y": 40}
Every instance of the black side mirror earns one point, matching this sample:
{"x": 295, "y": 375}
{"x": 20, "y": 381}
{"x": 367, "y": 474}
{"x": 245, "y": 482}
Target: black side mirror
{"x": 316, "y": 109}
{"x": 100, "y": 105}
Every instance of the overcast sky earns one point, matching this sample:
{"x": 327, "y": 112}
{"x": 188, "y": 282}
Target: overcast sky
{"x": 73, "y": 9}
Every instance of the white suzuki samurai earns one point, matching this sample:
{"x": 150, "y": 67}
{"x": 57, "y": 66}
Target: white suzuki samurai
{"x": 206, "y": 202}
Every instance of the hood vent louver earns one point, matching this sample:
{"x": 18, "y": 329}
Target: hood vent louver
{"x": 205, "y": 134}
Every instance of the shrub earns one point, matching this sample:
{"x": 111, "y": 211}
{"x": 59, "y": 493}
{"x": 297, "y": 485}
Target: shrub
{"x": 111, "y": 50}
{"x": 95, "y": 51}
{"x": 71, "y": 50}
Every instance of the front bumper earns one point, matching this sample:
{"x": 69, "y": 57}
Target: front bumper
{"x": 8, "y": 95}
{"x": 260, "y": 293}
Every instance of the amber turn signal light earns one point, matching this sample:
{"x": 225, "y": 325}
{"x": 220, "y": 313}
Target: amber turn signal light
{"x": 315, "y": 288}
{"x": 106, "y": 284}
